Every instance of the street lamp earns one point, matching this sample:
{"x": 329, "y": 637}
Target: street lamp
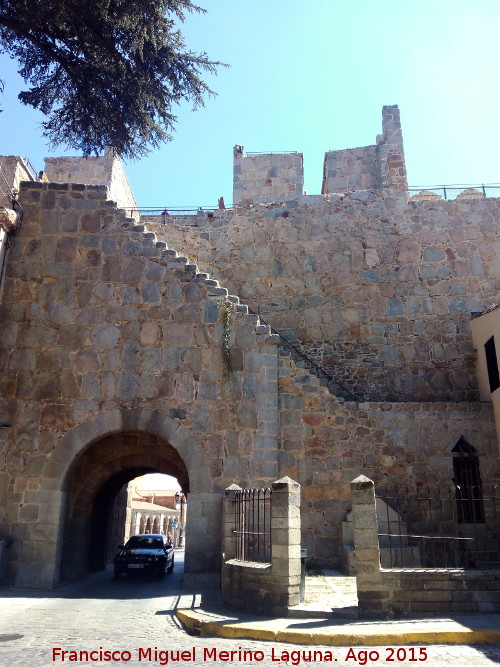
{"x": 180, "y": 502}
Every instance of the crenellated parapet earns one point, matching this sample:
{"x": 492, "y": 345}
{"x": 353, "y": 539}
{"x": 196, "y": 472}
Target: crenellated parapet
{"x": 378, "y": 166}
{"x": 266, "y": 177}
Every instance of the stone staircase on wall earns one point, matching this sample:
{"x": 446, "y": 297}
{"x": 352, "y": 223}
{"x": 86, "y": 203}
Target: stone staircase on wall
{"x": 214, "y": 291}
{"x": 325, "y": 380}
{"x": 218, "y": 293}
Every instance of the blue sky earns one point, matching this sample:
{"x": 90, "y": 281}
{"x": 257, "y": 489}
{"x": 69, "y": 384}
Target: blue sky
{"x": 313, "y": 77}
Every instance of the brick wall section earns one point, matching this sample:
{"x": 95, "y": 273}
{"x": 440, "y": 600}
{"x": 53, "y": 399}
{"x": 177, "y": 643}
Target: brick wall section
{"x": 325, "y": 443}
{"x": 376, "y": 288}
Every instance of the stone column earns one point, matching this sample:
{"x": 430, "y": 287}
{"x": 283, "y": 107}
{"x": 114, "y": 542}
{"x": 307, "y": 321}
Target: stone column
{"x": 371, "y": 596}
{"x": 285, "y": 541}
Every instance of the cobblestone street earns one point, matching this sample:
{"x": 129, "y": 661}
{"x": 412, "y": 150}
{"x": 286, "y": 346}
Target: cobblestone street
{"x": 137, "y": 614}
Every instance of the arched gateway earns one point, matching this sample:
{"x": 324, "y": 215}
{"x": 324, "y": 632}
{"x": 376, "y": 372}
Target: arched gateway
{"x": 127, "y": 360}
{"x": 91, "y": 477}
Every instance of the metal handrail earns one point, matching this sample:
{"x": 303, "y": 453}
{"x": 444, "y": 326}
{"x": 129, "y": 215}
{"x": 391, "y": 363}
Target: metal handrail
{"x": 271, "y": 152}
{"x": 307, "y": 359}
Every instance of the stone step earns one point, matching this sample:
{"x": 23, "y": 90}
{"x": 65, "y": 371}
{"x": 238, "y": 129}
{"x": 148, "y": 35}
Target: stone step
{"x": 161, "y": 245}
{"x": 233, "y": 299}
{"x": 210, "y": 282}
{"x": 217, "y": 291}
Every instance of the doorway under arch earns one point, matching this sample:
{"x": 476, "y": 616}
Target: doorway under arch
{"x": 92, "y": 484}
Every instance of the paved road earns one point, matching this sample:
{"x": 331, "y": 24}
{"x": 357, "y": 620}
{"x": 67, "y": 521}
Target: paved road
{"x": 134, "y": 618}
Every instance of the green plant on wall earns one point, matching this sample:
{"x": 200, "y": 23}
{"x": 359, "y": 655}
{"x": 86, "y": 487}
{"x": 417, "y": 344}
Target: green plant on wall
{"x": 226, "y": 338}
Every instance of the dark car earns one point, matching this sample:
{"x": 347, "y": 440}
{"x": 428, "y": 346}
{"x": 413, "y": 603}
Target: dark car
{"x": 150, "y": 554}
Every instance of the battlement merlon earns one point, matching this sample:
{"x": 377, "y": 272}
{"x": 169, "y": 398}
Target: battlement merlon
{"x": 379, "y": 166}
{"x": 105, "y": 170}
{"x": 266, "y": 177}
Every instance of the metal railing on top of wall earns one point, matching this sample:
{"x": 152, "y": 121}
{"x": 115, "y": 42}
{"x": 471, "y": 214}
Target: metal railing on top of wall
{"x": 452, "y": 191}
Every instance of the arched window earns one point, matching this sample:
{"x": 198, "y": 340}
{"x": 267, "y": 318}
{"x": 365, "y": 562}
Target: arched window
{"x": 467, "y": 478}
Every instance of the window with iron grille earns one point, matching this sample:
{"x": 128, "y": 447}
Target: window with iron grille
{"x": 469, "y": 489}
{"x": 253, "y": 525}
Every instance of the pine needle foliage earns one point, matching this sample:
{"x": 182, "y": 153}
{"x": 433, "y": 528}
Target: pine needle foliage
{"x": 105, "y": 72}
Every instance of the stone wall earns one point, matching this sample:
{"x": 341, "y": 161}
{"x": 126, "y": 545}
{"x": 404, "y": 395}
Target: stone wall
{"x": 325, "y": 443}
{"x": 264, "y": 587}
{"x": 95, "y": 170}
{"x": 375, "y": 288}
{"x": 350, "y": 169}
{"x": 266, "y": 177}
{"x": 378, "y": 166}
{"x": 106, "y": 331}
{"x": 13, "y": 171}
{"x": 415, "y": 593}
{"x": 411, "y": 591}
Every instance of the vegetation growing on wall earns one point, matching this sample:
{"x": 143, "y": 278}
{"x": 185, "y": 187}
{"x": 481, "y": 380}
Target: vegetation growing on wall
{"x": 226, "y": 338}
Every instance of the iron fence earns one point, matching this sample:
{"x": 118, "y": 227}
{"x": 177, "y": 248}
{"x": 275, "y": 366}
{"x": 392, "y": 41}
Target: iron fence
{"x": 171, "y": 210}
{"x": 446, "y": 526}
{"x": 253, "y": 525}
{"x": 169, "y": 213}
{"x": 452, "y": 191}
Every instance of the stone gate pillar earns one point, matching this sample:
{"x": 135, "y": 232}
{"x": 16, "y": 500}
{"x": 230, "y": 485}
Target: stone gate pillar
{"x": 371, "y": 595}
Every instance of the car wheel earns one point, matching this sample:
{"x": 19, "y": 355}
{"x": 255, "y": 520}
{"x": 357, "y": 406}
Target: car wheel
{"x": 170, "y": 567}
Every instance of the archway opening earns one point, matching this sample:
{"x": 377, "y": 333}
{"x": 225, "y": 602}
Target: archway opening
{"x": 99, "y": 514}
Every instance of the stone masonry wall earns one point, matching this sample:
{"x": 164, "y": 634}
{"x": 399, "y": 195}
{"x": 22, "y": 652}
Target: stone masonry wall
{"x": 266, "y": 177}
{"x": 95, "y": 170}
{"x": 415, "y": 594}
{"x": 13, "y": 171}
{"x": 378, "y": 166}
{"x": 326, "y": 443}
{"x": 105, "y": 330}
{"x": 375, "y": 288}
{"x": 350, "y": 169}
